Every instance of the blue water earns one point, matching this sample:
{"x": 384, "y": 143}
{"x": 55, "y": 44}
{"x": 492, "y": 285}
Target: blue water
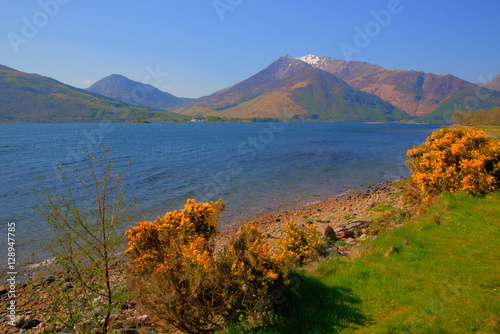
{"x": 252, "y": 166}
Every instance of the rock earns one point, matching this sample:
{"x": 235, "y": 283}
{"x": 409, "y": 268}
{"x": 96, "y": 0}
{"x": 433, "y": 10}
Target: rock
{"x": 389, "y": 252}
{"x": 330, "y": 233}
{"x": 31, "y": 324}
{"x": 333, "y": 251}
{"x": 143, "y": 318}
{"x": 67, "y": 286}
{"x": 3, "y": 290}
{"x": 19, "y": 321}
{"x": 358, "y": 223}
{"x": 127, "y": 331}
{"x": 48, "y": 279}
{"x": 344, "y": 234}
{"x": 130, "y": 323}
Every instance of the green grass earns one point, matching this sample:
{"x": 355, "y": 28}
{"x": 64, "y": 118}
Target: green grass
{"x": 443, "y": 276}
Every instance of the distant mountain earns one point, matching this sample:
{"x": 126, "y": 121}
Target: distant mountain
{"x": 493, "y": 84}
{"x": 5, "y": 68}
{"x": 33, "y": 98}
{"x": 415, "y": 92}
{"x": 291, "y": 87}
{"x": 122, "y": 88}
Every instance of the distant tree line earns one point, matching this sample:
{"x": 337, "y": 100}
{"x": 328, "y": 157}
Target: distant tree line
{"x": 480, "y": 117}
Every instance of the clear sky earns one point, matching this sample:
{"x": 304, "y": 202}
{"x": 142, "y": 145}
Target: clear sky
{"x": 195, "y": 47}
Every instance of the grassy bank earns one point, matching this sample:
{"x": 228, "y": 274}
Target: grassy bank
{"x": 437, "y": 273}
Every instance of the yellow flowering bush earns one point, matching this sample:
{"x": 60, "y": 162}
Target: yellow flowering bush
{"x": 179, "y": 279}
{"x": 188, "y": 236}
{"x": 173, "y": 270}
{"x": 300, "y": 244}
{"x": 254, "y": 270}
{"x": 456, "y": 159}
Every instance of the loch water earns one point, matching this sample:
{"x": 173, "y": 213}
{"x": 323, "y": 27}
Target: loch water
{"x": 254, "y": 167}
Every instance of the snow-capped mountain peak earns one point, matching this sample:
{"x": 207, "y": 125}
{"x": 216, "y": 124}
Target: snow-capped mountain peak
{"x": 310, "y": 59}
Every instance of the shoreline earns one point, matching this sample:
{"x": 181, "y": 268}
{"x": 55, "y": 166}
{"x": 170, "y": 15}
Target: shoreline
{"x": 330, "y": 210}
{"x": 338, "y": 211}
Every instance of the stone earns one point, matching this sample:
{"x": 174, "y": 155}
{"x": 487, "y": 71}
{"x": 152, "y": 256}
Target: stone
{"x": 130, "y": 323}
{"x": 48, "y": 279}
{"x": 344, "y": 234}
{"x": 67, "y": 286}
{"x": 358, "y": 223}
{"x": 389, "y": 252}
{"x": 333, "y": 251}
{"x": 3, "y": 290}
{"x": 127, "y": 331}
{"x": 30, "y": 324}
{"x": 19, "y": 321}
{"x": 330, "y": 233}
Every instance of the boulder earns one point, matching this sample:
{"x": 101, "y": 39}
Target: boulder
{"x": 19, "y": 321}
{"x": 330, "y": 234}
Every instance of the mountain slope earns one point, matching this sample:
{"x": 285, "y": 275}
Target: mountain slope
{"x": 493, "y": 84}
{"x": 290, "y": 87}
{"x": 249, "y": 89}
{"x": 415, "y": 92}
{"x": 33, "y": 98}
{"x": 121, "y": 88}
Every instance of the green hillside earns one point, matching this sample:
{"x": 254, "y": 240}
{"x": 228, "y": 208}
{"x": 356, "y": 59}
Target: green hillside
{"x": 33, "y": 98}
{"x": 330, "y": 99}
{"x": 462, "y": 100}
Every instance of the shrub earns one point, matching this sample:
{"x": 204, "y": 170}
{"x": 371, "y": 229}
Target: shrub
{"x": 179, "y": 279}
{"x": 255, "y": 273}
{"x": 456, "y": 159}
{"x": 85, "y": 217}
{"x": 174, "y": 275}
{"x": 301, "y": 244}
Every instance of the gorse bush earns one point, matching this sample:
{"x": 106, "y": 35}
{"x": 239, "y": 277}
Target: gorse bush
{"x": 174, "y": 274}
{"x": 255, "y": 274}
{"x": 301, "y": 244}
{"x": 456, "y": 159}
{"x": 178, "y": 278}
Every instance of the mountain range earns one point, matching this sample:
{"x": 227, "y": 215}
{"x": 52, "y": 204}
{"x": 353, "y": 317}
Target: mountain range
{"x": 305, "y": 88}
{"x": 292, "y": 88}
{"x": 123, "y": 89}
{"x": 28, "y": 97}
{"x": 417, "y": 93}
{"x": 492, "y": 84}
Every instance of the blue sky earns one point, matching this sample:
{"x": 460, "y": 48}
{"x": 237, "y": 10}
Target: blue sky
{"x": 195, "y": 47}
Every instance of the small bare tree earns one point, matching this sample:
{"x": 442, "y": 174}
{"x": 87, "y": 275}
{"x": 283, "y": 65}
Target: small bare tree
{"x": 85, "y": 217}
